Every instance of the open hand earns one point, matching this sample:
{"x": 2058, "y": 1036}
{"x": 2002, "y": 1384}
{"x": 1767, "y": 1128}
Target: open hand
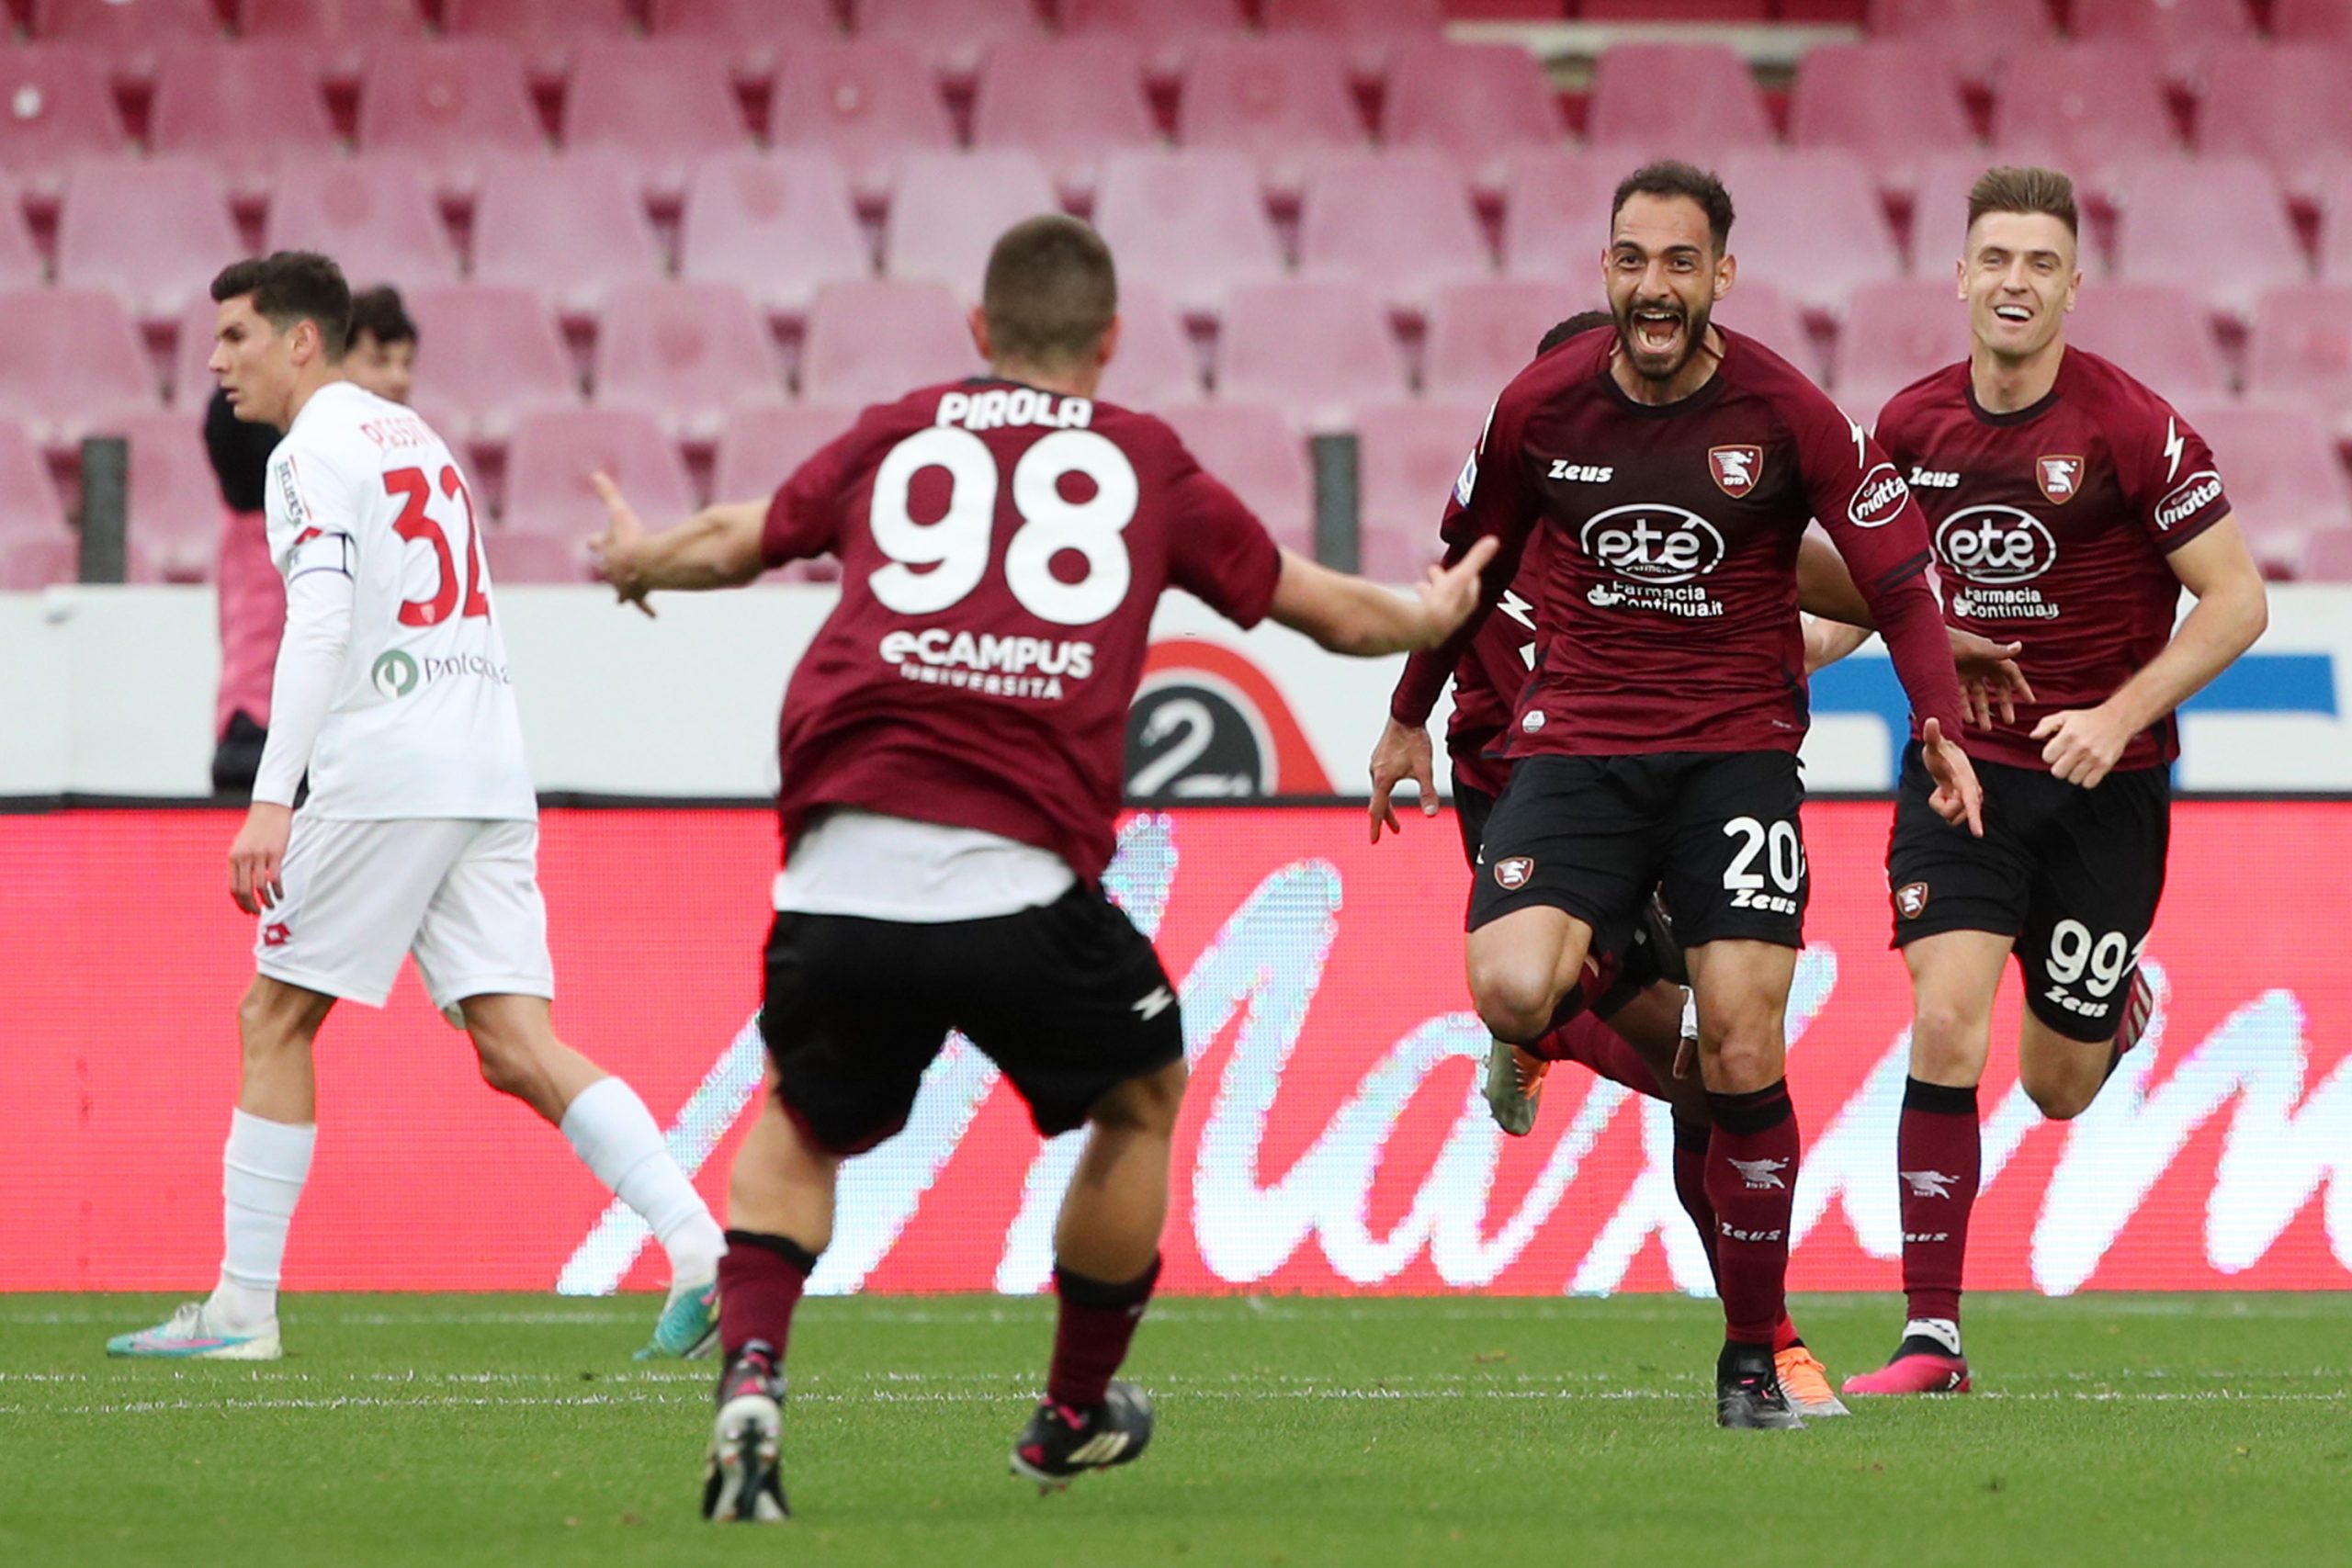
{"x": 1402, "y": 752}
{"x": 1990, "y": 681}
{"x": 1450, "y": 595}
{"x": 615, "y": 547}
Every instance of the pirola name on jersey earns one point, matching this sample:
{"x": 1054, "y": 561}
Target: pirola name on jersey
{"x": 1011, "y": 407}
{"x": 986, "y": 651}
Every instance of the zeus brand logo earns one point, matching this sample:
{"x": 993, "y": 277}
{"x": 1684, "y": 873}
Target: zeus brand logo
{"x": 1995, "y": 545}
{"x": 1879, "y": 499}
{"x": 1652, "y": 542}
{"x": 2196, "y": 492}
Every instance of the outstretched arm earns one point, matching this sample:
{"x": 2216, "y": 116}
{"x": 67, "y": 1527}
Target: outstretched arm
{"x": 1354, "y": 615}
{"x": 716, "y": 547}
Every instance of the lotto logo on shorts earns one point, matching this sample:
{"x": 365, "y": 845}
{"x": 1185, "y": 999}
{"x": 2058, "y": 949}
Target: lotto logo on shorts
{"x": 276, "y": 934}
{"x": 1512, "y": 875}
{"x": 1911, "y": 900}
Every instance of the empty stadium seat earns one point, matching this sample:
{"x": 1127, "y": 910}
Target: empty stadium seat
{"x": 1375, "y": 33}
{"x": 2282, "y": 103}
{"x": 1939, "y": 220}
{"x": 192, "y": 380}
{"x": 1155, "y": 363}
{"x": 775, "y": 224}
{"x": 870, "y": 341}
{"x": 1760, "y": 310}
{"x": 155, "y": 230}
{"x": 1976, "y": 36}
{"x": 1894, "y": 332}
{"x": 1276, "y": 99}
{"x": 173, "y": 512}
{"x": 761, "y": 447}
{"x": 1068, "y": 101}
{"x": 1399, "y": 223}
{"x": 1810, "y": 224}
{"x": 485, "y": 355}
{"x": 1316, "y": 350}
{"x": 29, "y": 565}
{"x": 1556, "y": 213}
{"x": 2311, "y": 21}
{"x": 660, "y": 107}
{"x": 59, "y": 108}
{"x": 1478, "y": 103}
{"x": 342, "y": 31}
{"x": 520, "y": 557}
{"x": 2301, "y": 351}
{"x": 2083, "y": 109}
{"x": 753, "y": 33}
{"x": 2217, "y": 227}
{"x": 68, "y": 356}
{"x": 546, "y": 31}
{"x": 690, "y": 353}
{"x": 2327, "y": 557}
{"x": 954, "y": 35}
{"x": 570, "y": 227}
{"x": 452, "y": 102}
{"x": 131, "y": 32}
{"x": 20, "y": 263}
{"x": 2285, "y": 483}
{"x": 1168, "y": 31}
{"x": 374, "y": 214}
{"x": 2156, "y": 331}
{"x": 555, "y": 450}
{"x": 1690, "y": 100}
{"x": 1258, "y": 455}
{"x": 1894, "y": 105}
{"x": 949, "y": 209}
{"x": 1190, "y": 222}
{"x": 866, "y": 103}
{"x": 2183, "y": 33}
{"x": 30, "y": 507}
{"x": 1481, "y": 334}
{"x": 241, "y": 105}
{"x": 2335, "y": 227}
{"x": 1408, "y": 457}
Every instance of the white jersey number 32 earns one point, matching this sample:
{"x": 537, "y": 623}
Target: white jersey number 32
{"x": 934, "y": 565}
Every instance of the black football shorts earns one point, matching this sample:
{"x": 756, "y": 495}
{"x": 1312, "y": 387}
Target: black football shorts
{"x": 2074, "y": 874}
{"x": 1068, "y": 998}
{"x": 1717, "y": 833}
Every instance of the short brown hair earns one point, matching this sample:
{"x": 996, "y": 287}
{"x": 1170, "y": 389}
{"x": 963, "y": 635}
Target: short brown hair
{"x": 1051, "y": 290}
{"x": 380, "y": 314}
{"x": 1672, "y": 177}
{"x": 2011, "y": 188}
{"x": 293, "y": 285}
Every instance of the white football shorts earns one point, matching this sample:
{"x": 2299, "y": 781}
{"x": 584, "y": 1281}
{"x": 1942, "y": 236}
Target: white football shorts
{"x": 463, "y": 896}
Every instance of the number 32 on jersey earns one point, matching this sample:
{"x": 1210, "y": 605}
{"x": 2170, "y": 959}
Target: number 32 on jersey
{"x": 416, "y": 524}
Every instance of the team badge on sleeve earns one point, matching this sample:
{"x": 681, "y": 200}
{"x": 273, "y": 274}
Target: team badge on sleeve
{"x": 1467, "y": 481}
{"x": 2061, "y": 478}
{"x": 1735, "y": 468}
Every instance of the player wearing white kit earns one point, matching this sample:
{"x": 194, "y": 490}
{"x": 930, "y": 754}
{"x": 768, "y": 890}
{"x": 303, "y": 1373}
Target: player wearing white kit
{"x": 420, "y": 834}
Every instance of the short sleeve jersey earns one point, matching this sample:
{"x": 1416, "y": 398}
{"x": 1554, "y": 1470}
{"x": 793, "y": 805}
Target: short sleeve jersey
{"x": 423, "y": 722}
{"x": 1003, "y": 550}
{"x": 1667, "y": 586}
{"x": 2050, "y": 527}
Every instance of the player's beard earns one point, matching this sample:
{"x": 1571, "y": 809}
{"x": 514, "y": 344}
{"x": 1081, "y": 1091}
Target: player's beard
{"x": 1647, "y": 366}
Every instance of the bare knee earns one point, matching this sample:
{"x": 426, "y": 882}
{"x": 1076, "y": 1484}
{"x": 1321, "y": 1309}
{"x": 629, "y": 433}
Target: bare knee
{"x": 1144, "y": 1107}
{"x": 1744, "y": 1059}
{"x": 2060, "y": 1092}
{"x": 1948, "y": 1042}
{"x": 273, "y": 1020}
{"x": 1516, "y": 1001}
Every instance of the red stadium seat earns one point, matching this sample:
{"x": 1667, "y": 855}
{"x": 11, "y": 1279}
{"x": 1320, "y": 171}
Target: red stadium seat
{"x": 1408, "y": 457}
{"x": 690, "y": 353}
{"x": 753, "y": 33}
{"x": 2311, "y": 21}
{"x": 761, "y": 447}
{"x": 520, "y": 557}
{"x": 1556, "y": 213}
{"x": 1809, "y": 223}
{"x": 1261, "y": 457}
{"x": 20, "y": 263}
{"x": 1068, "y": 101}
{"x": 67, "y": 357}
{"x": 872, "y": 341}
{"x": 29, "y": 565}
{"x": 866, "y": 103}
{"x": 241, "y": 105}
{"x": 2218, "y": 227}
{"x": 1894, "y": 332}
{"x": 342, "y": 31}
{"x": 2155, "y": 332}
{"x": 555, "y": 450}
{"x": 155, "y": 230}
{"x": 1478, "y": 103}
{"x": 59, "y": 108}
{"x": 661, "y": 108}
{"x": 1481, "y": 334}
{"x": 2301, "y": 351}
{"x": 375, "y": 215}
{"x": 1315, "y": 349}
{"x": 949, "y": 209}
{"x": 954, "y": 35}
{"x": 546, "y": 31}
{"x": 131, "y": 32}
{"x": 453, "y": 102}
{"x": 1772, "y": 318}
{"x": 2284, "y": 103}
{"x": 2284, "y": 480}
{"x": 1192, "y": 223}
{"x": 1939, "y": 220}
{"x": 1894, "y": 105}
{"x": 485, "y": 356}
{"x": 1690, "y": 100}
{"x": 2335, "y": 227}
{"x": 1976, "y": 36}
{"x": 777, "y": 225}
{"x": 2327, "y": 557}
{"x": 192, "y": 378}
{"x": 2184, "y": 33}
{"x": 30, "y": 507}
{"x": 1399, "y": 223}
{"x": 1276, "y": 99}
{"x": 1167, "y": 30}
{"x": 1375, "y": 33}
{"x": 570, "y": 227}
{"x": 173, "y": 512}
{"x": 1155, "y": 363}
{"x": 2083, "y": 109}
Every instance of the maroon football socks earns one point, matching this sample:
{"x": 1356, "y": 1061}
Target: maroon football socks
{"x": 760, "y": 1281}
{"x": 1938, "y": 1156}
{"x": 1097, "y": 1323}
{"x": 1584, "y": 1038}
{"x": 1752, "y": 1178}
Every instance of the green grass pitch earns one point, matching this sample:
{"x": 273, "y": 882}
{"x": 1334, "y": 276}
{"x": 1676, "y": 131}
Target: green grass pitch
{"x": 454, "y": 1430}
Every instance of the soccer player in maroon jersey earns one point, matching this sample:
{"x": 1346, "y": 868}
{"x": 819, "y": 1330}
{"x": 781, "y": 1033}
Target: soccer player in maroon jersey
{"x": 952, "y": 748}
{"x": 2069, "y": 507}
{"x": 1671, "y": 468}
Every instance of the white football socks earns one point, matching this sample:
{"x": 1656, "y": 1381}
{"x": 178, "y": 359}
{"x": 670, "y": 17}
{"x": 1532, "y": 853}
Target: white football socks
{"x": 614, "y": 1134}
{"x": 263, "y": 1169}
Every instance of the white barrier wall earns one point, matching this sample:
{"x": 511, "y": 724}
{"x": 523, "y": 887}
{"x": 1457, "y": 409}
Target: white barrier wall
{"x": 109, "y": 691}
